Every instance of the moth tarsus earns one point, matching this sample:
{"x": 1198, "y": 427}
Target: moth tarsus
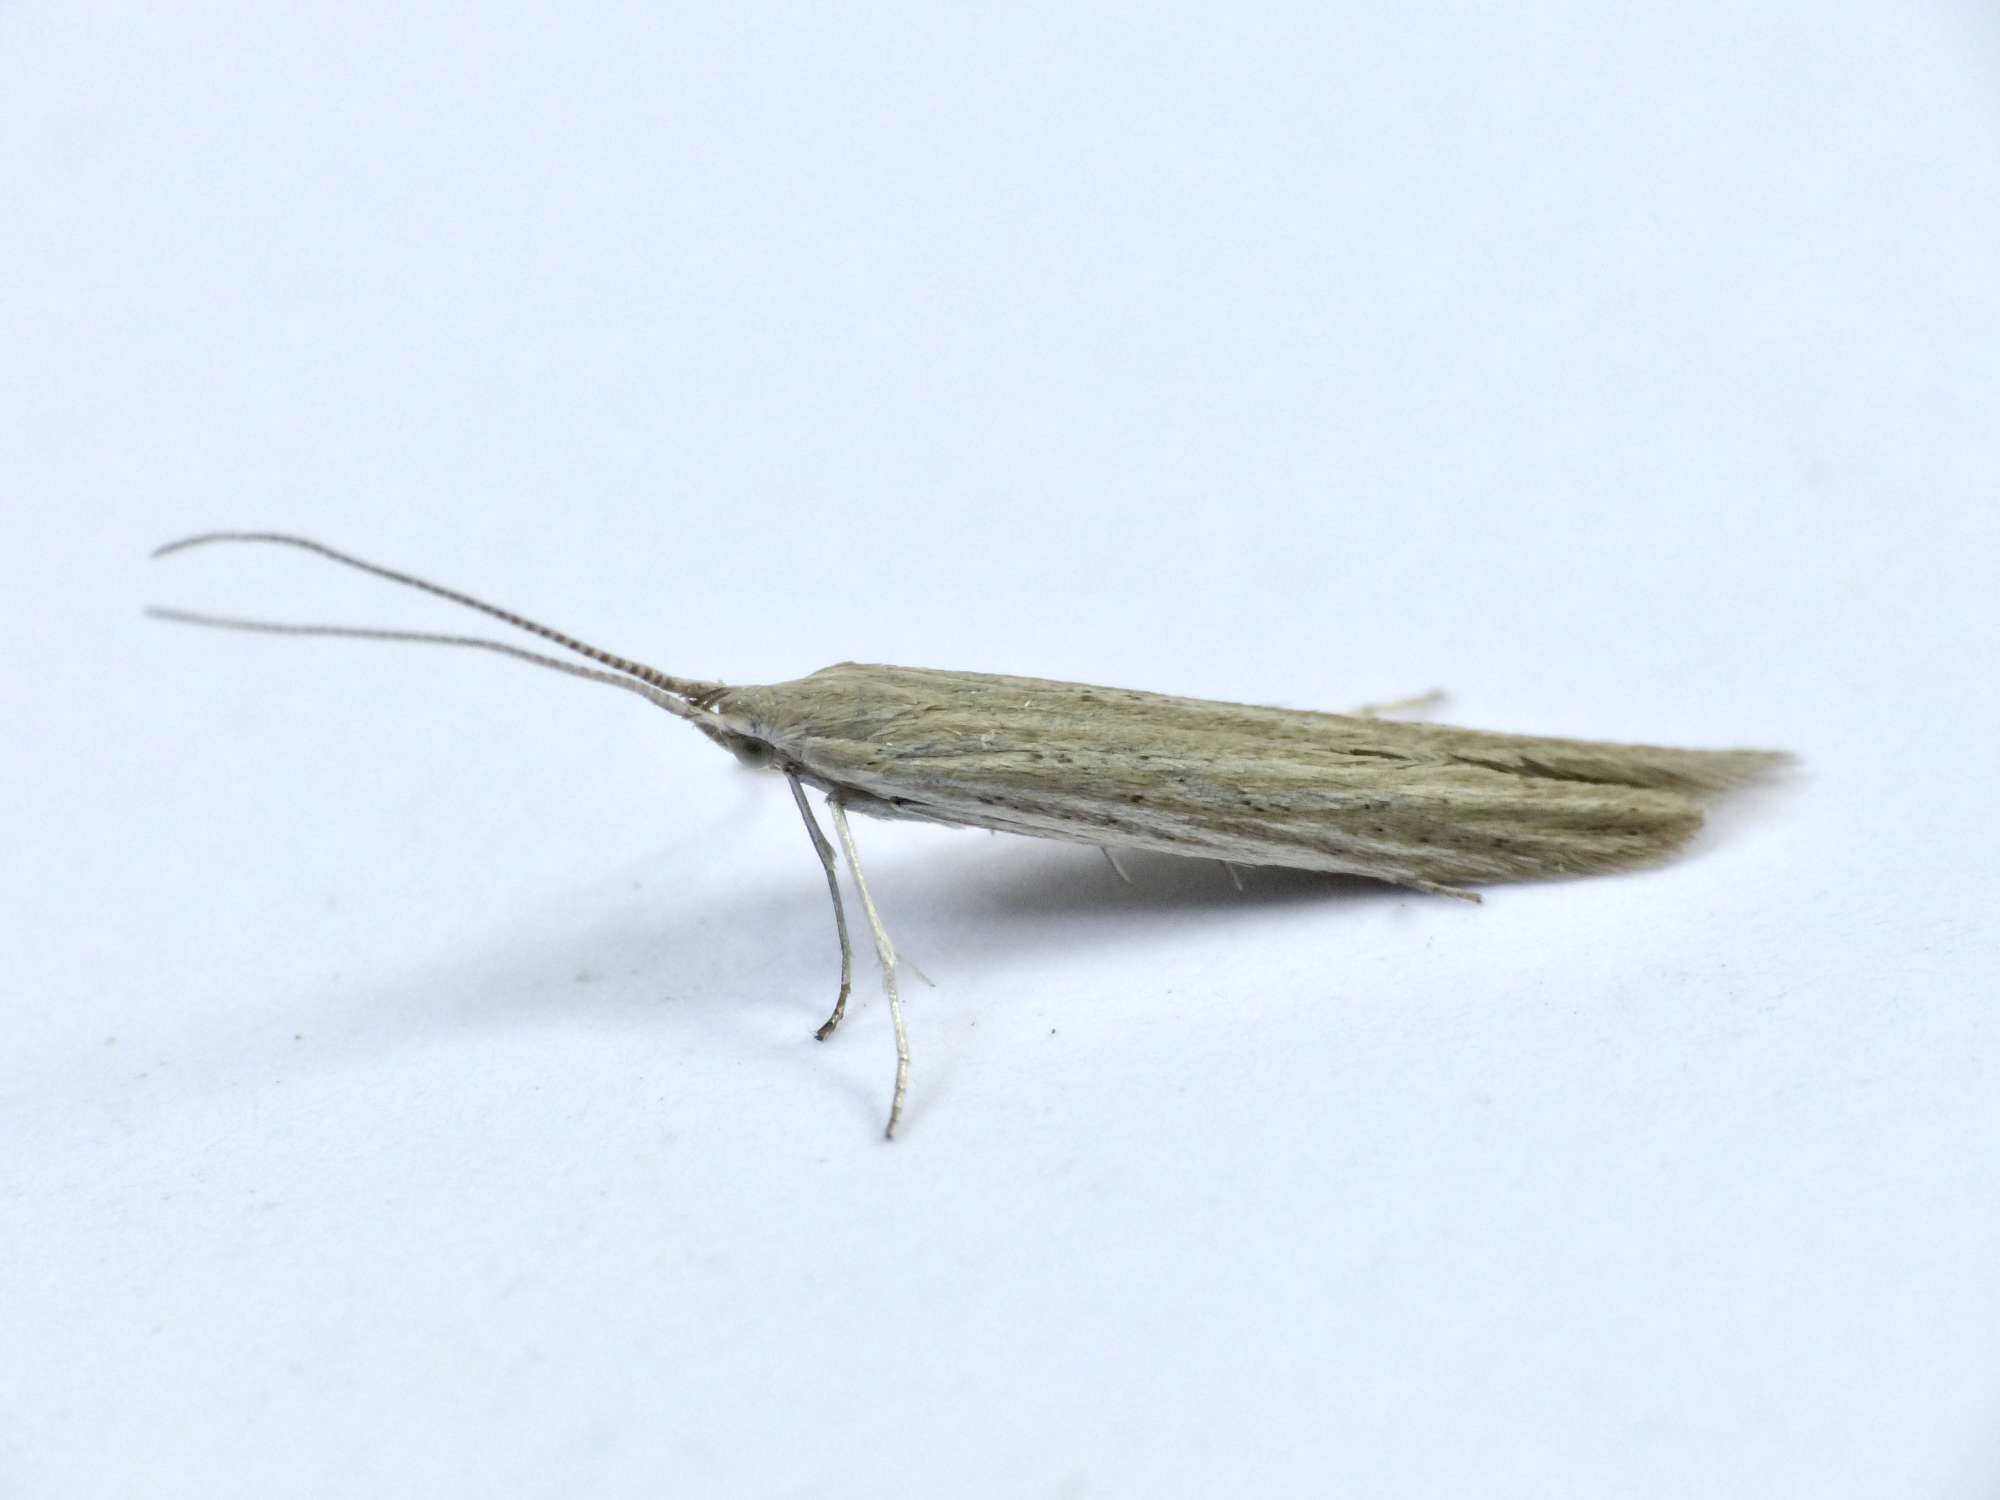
{"x": 825, "y": 852}
{"x": 1429, "y": 807}
{"x": 885, "y": 952}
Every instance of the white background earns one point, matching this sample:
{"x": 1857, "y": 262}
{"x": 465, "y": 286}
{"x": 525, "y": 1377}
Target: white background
{"x": 408, "y": 1084}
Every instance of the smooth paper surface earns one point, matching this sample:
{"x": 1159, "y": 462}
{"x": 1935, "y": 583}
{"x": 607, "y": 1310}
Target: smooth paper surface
{"x": 409, "y": 1083}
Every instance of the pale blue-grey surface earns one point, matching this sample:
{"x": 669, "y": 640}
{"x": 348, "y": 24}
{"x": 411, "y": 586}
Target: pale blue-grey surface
{"x": 408, "y": 1083}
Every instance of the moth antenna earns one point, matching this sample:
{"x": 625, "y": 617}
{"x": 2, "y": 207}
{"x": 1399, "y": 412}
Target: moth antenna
{"x": 669, "y": 701}
{"x": 681, "y": 686}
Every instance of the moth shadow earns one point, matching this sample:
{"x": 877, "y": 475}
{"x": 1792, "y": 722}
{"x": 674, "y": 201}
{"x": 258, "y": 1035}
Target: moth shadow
{"x": 677, "y": 961}
{"x": 1071, "y": 883}
{"x": 1018, "y": 903}
{"x": 734, "y": 951}
{"x": 746, "y": 946}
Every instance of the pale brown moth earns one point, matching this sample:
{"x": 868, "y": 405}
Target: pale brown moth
{"x": 1425, "y": 806}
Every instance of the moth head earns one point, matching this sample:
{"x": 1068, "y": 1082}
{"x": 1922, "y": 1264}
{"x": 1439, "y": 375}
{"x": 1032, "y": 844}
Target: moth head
{"x": 748, "y": 750}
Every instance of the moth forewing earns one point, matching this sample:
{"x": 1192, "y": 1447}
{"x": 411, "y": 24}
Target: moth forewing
{"x": 1420, "y": 805}
{"x": 1426, "y": 806}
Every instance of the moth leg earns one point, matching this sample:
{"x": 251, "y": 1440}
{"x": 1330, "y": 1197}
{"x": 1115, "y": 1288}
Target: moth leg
{"x": 1235, "y": 873}
{"x": 886, "y": 952}
{"x": 1432, "y": 888}
{"x": 1111, "y": 856}
{"x": 825, "y": 852}
{"x": 1399, "y": 705}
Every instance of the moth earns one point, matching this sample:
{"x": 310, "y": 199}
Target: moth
{"x": 1424, "y": 806}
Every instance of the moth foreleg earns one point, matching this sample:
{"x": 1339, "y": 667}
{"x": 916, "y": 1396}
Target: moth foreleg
{"x": 825, "y": 852}
{"x": 886, "y": 952}
{"x": 1434, "y": 888}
